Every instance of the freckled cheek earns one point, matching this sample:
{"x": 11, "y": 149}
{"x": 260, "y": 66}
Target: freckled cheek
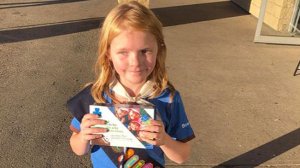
{"x": 119, "y": 67}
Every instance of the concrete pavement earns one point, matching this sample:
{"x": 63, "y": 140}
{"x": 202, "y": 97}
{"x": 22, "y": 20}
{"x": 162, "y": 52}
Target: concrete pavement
{"x": 242, "y": 98}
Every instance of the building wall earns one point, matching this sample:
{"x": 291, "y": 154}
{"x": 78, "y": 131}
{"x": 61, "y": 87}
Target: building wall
{"x": 278, "y": 12}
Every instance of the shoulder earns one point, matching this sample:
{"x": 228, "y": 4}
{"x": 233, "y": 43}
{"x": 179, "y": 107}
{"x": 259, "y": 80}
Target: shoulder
{"x": 78, "y": 104}
{"x": 84, "y": 94}
{"x": 167, "y": 96}
{"x": 85, "y": 91}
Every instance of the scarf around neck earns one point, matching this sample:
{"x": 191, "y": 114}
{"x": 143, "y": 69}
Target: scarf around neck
{"x": 146, "y": 91}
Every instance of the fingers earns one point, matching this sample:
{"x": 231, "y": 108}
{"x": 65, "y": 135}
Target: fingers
{"x": 156, "y": 122}
{"x": 150, "y": 128}
{"x": 89, "y": 116}
{"x": 152, "y": 138}
{"x": 90, "y": 120}
{"x": 95, "y": 130}
{"x": 88, "y": 129}
{"x": 92, "y": 133}
{"x": 153, "y": 133}
{"x": 149, "y": 135}
{"x": 92, "y": 136}
{"x": 154, "y": 126}
{"x": 153, "y": 142}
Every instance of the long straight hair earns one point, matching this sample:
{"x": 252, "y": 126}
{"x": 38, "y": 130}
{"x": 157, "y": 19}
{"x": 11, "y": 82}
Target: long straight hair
{"x": 137, "y": 17}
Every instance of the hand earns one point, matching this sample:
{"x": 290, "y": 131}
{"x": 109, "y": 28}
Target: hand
{"x": 88, "y": 132}
{"x": 153, "y": 133}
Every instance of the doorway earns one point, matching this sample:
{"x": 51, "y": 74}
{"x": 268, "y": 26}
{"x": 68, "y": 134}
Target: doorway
{"x": 264, "y": 34}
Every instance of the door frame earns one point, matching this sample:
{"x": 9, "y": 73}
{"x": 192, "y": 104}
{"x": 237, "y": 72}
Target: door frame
{"x": 259, "y": 38}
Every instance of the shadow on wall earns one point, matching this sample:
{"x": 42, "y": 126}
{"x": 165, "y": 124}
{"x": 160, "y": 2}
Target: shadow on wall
{"x": 169, "y": 16}
{"x": 245, "y": 4}
{"x": 264, "y": 152}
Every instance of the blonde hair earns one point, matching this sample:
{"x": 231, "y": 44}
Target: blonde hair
{"x": 138, "y": 17}
{"x": 143, "y": 2}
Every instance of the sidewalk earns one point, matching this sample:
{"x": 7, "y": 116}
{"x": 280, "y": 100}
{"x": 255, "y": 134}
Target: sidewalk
{"x": 241, "y": 97}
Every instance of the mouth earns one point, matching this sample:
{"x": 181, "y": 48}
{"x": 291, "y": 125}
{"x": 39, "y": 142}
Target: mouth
{"x": 137, "y": 71}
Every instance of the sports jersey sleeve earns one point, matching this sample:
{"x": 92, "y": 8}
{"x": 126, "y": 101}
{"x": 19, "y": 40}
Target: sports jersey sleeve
{"x": 181, "y": 129}
{"x": 75, "y": 125}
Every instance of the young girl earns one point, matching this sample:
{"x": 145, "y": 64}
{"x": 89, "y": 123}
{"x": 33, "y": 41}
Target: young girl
{"x": 131, "y": 68}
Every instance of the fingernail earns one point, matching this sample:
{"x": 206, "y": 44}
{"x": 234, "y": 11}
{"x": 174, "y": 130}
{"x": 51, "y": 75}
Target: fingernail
{"x": 107, "y": 130}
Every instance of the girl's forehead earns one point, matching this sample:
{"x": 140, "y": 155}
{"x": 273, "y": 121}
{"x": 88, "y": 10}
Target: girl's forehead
{"x": 123, "y": 28}
{"x": 133, "y": 37}
{"x": 132, "y": 31}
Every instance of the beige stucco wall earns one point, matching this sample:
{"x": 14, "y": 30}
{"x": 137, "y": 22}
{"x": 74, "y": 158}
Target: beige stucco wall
{"x": 278, "y": 13}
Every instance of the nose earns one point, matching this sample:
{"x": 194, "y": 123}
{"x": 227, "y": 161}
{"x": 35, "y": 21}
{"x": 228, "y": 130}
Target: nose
{"x": 135, "y": 59}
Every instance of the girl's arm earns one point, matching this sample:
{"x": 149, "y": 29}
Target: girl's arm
{"x": 155, "y": 134}
{"x": 78, "y": 145}
{"x": 80, "y": 142}
{"x": 177, "y": 151}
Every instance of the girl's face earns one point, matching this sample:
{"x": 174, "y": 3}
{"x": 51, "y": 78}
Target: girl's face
{"x": 133, "y": 54}
{"x": 122, "y": 112}
{"x": 134, "y": 115}
{"x": 134, "y": 126}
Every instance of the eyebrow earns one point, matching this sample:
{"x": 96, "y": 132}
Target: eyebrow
{"x": 147, "y": 48}
{"x": 125, "y": 49}
{"x": 121, "y": 49}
